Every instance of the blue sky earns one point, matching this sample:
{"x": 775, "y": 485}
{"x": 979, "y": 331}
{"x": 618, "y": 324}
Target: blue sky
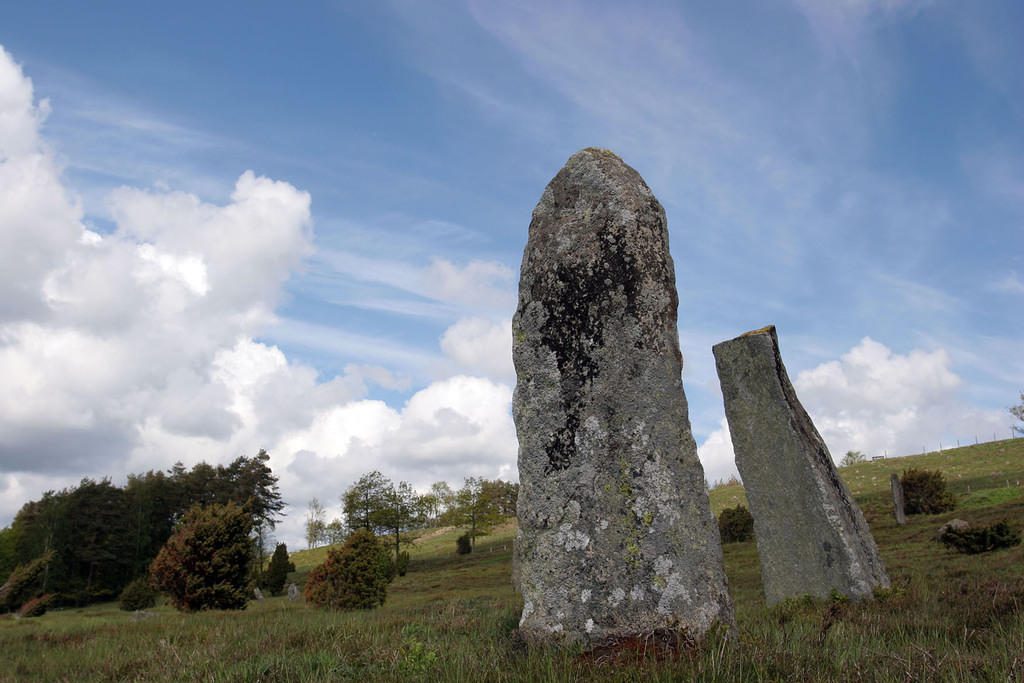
{"x": 300, "y": 227}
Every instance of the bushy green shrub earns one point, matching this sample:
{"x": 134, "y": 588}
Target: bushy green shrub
{"x": 924, "y": 492}
{"x": 137, "y": 595}
{"x": 736, "y": 525}
{"x": 205, "y": 562}
{"x": 24, "y": 583}
{"x": 402, "y": 563}
{"x": 463, "y": 544}
{"x": 352, "y": 577}
{"x": 277, "y": 572}
{"x": 981, "y": 539}
{"x": 36, "y": 607}
{"x": 388, "y": 565}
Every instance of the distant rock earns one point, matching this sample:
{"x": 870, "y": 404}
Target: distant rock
{"x": 616, "y": 536}
{"x": 954, "y": 524}
{"x": 257, "y": 593}
{"x": 142, "y": 615}
{"x": 293, "y": 592}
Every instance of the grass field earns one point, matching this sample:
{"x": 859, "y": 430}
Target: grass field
{"x": 947, "y": 617}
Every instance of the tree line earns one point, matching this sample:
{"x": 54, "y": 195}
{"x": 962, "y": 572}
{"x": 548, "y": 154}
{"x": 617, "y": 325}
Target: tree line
{"x": 377, "y": 504}
{"x": 88, "y": 542}
{"x": 100, "y": 536}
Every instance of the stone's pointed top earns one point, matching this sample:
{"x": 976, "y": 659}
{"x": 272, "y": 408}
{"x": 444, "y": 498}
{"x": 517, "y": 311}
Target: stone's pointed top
{"x": 594, "y": 177}
{"x": 599, "y": 152}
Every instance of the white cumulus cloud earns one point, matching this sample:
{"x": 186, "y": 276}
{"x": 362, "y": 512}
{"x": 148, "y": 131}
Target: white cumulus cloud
{"x": 127, "y": 350}
{"x": 480, "y": 346}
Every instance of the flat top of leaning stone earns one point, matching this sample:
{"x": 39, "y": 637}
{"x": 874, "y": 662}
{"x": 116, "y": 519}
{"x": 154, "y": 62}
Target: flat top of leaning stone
{"x": 767, "y": 329}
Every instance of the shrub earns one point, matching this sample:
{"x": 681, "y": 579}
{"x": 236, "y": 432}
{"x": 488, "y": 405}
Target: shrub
{"x": 736, "y": 525}
{"x": 205, "y": 562}
{"x": 24, "y": 583}
{"x": 463, "y": 545}
{"x": 352, "y": 577}
{"x": 402, "y": 564}
{"x": 852, "y": 458}
{"x": 924, "y": 492}
{"x": 137, "y": 595}
{"x": 277, "y": 572}
{"x": 981, "y": 539}
{"x": 36, "y": 607}
{"x": 388, "y": 564}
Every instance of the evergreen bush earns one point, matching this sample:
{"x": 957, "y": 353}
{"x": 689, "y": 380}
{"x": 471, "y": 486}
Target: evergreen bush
{"x": 205, "y": 562}
{"x": 277, "y": 572}
{"x": 463, "y": 544}
{"x": 352, "y": 577}
{"x": 924, "y": 492}
{"x": 137, "y": 595}
{"x": 981, "y": 539}
{"x": 736, "y": 525}
{"x": 388, "y": 564}
{"x": 402, "y": 564}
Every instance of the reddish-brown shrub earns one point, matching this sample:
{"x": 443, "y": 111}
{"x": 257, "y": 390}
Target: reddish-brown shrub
{"x": 36, "y": 607}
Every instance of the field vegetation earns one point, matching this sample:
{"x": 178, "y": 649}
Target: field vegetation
{"x": 948, "y": 616}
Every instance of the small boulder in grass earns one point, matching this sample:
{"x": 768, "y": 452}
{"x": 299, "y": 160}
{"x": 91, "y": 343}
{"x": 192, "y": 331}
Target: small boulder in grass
{"x": 953, "y": 524}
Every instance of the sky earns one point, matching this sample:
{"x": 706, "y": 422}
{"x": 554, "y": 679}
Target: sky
{"x": 299, "y": 226}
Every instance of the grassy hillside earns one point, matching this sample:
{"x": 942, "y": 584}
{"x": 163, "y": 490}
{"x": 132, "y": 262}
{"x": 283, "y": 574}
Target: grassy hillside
{"x": 947, "y": 617}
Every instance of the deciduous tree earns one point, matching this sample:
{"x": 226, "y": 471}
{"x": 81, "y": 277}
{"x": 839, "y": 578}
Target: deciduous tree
{"x": 475, "y": 509}
{"x": 364, "y": 500}
{"x": 1018, "y": 412}
{"x": 316, "y": 524}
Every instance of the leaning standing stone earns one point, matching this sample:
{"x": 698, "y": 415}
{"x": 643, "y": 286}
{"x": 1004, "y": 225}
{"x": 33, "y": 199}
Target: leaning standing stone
{"x": 811, "y": 536}
{"x": 616, "y": 537}
{"x": 899, "y": 506}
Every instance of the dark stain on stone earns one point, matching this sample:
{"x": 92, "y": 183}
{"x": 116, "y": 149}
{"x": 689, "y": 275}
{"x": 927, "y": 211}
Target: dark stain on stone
{"x": 579, "y": 301}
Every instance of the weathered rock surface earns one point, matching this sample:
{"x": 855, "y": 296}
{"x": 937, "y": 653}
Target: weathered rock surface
{"x": 899, "y": 504}
{"x": 952, "y": 525}
{"x": 257, "y": 593}
{"x": 293, "y": 592}
{"x": 811, "y": 536}
{"x": 616, "y": 536}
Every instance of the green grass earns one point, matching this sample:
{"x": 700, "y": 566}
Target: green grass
{"x": 947, "y": 617}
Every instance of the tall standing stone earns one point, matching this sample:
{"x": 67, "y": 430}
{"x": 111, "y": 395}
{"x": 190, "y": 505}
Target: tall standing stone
{"x": 899, "y": 504}
{"x": 811, "y": 536}
{"x": 616, "y": 536}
